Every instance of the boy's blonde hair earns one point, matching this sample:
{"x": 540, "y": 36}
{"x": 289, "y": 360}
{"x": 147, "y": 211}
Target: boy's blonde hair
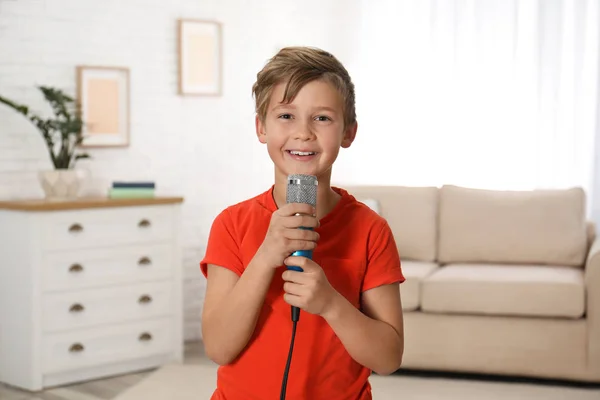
{"x": 299, "y": 66}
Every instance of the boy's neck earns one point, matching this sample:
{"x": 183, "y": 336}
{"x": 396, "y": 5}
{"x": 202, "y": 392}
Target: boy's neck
{"x": 327, "y": 198}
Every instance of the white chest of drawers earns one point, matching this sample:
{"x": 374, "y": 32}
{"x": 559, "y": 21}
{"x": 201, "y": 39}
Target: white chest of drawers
{"x": 88, "y": 289}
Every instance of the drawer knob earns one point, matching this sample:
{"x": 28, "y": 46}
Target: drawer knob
{"x": 145, "y": 299}
{"x": 75, "y": 228}
{"x": 144, "y": 261}
{"x": 76, "y": 308}
{"x": 75, "y": 268}
{"x": 144, "y": 337}
{"x": 144, "y": 223}
{"x": 76, "y": 348}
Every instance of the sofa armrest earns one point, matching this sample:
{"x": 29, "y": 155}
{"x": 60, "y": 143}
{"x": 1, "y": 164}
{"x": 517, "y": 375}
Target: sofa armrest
{"x": 592, "y": 285}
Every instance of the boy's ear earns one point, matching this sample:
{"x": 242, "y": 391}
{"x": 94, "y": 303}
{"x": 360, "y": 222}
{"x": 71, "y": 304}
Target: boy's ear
{"x": 349, "y": 135}
{"x": 260, "y": 130}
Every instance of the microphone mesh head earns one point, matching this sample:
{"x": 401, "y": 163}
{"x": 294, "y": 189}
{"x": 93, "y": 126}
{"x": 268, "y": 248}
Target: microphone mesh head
{"x": 302, "y": 189}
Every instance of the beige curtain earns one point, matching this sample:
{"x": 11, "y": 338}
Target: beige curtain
{"x": 483, "y": 93}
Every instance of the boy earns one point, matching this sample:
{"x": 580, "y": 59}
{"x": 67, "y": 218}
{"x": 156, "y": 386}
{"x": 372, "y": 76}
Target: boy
{"x": 351, "y": 323}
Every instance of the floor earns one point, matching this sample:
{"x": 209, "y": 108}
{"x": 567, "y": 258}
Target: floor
{"x": 103, "y": 389}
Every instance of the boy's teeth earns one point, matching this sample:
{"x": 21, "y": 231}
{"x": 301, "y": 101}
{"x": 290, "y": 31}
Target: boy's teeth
{"x": 301, "y": 153}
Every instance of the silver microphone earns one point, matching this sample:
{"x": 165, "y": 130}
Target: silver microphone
{"x": 301, "y": 189}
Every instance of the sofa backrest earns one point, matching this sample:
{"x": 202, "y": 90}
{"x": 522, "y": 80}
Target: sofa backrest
{"x": 539, "y": 226}
{"x": 411, "y": 213}
{"x": 455, "y": 224}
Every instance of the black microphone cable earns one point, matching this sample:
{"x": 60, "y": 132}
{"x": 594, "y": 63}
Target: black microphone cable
{"x": 295, "y": 318}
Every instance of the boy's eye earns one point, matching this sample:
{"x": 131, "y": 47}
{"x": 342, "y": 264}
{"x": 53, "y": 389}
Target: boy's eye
{"x": 323, "y": 118}
{"x": 285, "y": 116}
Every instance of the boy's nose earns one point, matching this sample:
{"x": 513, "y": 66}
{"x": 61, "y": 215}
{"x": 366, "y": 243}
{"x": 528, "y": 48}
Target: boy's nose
{"x": 304, "y": 133}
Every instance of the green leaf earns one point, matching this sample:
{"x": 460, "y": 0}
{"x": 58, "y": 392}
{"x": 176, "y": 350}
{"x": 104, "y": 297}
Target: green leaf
{"x": 62, "y": 132}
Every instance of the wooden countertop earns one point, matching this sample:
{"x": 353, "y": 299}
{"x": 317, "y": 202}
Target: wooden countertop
{"x": 83, "y": 203}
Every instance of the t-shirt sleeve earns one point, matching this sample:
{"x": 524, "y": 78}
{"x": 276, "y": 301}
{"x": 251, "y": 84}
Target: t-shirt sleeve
{"x": 383, "y": 260}
{"x": 222, "y": 248}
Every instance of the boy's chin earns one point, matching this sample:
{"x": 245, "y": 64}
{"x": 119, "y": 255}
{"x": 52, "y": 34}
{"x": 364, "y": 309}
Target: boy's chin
{"x": 303, "y": 170}
{"x": 291, "y": 170}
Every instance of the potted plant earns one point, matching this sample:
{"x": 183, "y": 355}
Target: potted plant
{"x": 63, "y": 134}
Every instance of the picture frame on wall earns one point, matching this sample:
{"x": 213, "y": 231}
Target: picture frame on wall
{"x": 104, "y": 98}
{"x": 200, "y": 57}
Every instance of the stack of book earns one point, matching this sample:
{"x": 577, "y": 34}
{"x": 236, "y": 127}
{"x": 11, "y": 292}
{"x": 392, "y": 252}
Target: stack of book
{"x": 131, "y": 190}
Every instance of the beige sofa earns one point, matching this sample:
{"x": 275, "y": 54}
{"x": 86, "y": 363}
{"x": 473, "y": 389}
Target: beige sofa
{"x": 498, "y": 282}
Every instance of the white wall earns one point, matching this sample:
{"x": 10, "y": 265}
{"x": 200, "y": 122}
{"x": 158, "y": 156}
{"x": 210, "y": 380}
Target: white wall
{"x": 201, "y": 148}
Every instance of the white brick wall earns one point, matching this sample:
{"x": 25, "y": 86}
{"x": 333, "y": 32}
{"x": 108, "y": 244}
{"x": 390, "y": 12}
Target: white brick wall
{"x": 202, "y": 148}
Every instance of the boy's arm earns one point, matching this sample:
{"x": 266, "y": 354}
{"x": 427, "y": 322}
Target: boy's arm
{"x": 374, "y": 339}
{"x": 234, "y": 297}
{"x": 231, "y": 308}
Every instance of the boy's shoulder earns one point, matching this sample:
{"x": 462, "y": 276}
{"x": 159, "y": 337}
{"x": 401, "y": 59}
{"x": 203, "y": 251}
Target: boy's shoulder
{"x": 360, "y": 204}
{"x": 365, "y": 211}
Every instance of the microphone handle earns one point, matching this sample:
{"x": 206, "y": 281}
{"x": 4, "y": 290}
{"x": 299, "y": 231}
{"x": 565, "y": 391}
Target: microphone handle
{"x": 299, "y": 253}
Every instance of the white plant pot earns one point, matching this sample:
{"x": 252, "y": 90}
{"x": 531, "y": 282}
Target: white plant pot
{"x": 61, "y": 183}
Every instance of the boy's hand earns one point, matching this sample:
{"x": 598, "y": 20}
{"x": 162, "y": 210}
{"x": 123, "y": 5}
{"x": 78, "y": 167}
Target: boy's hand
{"x": 283, "y": 236}
{"x": 309, "y": 290}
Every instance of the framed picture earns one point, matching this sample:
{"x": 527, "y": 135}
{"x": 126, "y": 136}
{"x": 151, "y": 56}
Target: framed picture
{"x": 103, "y": 94}
{"x": 200, "y": 57}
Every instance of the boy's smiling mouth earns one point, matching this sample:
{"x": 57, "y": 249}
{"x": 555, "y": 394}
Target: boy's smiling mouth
{"x": 301, "y": 155}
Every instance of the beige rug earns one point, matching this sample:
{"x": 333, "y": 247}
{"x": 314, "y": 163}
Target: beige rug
{"x": 196, "y": 382}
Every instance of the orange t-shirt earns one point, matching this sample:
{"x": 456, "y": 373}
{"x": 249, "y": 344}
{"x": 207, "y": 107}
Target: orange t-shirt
{"x": 357, "y": 252}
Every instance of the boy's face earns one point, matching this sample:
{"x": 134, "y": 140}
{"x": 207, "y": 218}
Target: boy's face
{"x": 305, "y": 136}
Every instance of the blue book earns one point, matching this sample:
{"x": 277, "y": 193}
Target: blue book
{"x": 144, "y": 185}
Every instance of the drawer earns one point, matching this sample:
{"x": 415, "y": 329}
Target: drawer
{"x": 107, "y": 227}
{"x": 110, "y": 344}
{"x": 79, "y": 309}
{"x": 82, "y": 269}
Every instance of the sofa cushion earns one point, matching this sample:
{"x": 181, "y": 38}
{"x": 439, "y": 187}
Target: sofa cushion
{"x": 512, "y": 227}
{"x": 410, "y": 290}
{"x": 411, "y": 213}
{"x": 523, "y": 290}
